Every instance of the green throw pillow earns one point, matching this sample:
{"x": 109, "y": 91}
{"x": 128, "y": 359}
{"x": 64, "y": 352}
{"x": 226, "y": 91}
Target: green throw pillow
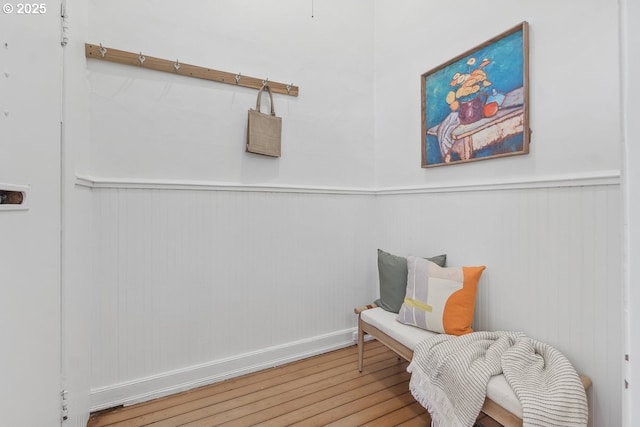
{"x": 392, "y": 272}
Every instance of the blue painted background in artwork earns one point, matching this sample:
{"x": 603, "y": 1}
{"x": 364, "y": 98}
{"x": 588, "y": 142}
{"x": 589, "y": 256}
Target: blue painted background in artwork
{"x": 505, "y": 71}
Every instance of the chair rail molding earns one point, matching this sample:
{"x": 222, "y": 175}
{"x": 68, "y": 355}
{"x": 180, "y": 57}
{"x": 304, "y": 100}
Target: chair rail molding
{"x": 596, "y": 178}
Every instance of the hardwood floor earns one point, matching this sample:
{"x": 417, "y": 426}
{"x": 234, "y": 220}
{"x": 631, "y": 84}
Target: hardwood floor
{"x": 319, "y": 391}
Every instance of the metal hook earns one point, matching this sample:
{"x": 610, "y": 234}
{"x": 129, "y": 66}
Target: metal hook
{"x": 141, "y": 58}
{"x": 177, "y": 65}
{"x": 264, "y": 82}
{"x": 103, "y": 50}
{"x": 289, "y": 88}
{"x": 238, "y": 77}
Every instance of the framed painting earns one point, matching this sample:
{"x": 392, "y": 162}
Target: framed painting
{"x": 476, "y": 106}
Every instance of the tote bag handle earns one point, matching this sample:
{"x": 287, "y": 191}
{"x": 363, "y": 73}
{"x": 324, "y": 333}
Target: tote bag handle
{"x": 273, "y": 110}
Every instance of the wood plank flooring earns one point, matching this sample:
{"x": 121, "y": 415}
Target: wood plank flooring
{"x": 325, "y": 390}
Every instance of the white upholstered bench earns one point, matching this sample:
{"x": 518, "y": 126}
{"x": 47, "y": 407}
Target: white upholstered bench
{"x": 501, "y": 403}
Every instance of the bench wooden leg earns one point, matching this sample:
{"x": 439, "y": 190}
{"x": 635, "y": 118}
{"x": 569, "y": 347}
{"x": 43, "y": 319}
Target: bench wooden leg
{"x": 360, "y": 345}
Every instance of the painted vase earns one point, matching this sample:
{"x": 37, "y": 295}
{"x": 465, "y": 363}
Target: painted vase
{"x": 472, "y": 110}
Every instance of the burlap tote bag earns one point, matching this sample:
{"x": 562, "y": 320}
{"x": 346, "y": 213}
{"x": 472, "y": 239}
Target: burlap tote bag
{"x": 264, "y": 131}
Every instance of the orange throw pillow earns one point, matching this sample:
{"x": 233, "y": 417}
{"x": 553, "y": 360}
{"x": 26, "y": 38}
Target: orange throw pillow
{"x": 440, "y": 299}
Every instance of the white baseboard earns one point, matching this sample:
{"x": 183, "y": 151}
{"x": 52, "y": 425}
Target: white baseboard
{"x": 76, "y": 420}
{"x": 354, "y": 337}
{"x": 179, "y": 380}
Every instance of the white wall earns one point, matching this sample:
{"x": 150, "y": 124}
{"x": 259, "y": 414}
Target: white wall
{"x": 30, "y": 99}
{"x": 553, "y": 257}
{"x": 77, "y": 220}
{"x": 203, "y": 275}
{"x": 631, "y": 184}
{"x": 548, "y": 225}
{"x": 574, "y": 84}
{"x": 173, "y": 194}
{"x": 196, "y": 129}
{"x": 193, "y": 286}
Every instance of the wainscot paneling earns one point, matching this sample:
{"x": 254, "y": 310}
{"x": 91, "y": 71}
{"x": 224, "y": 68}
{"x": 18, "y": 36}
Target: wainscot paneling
{"x": 194, "y": 286}
{"x": 553, "y": 258}
{"x": 195, "y": 283}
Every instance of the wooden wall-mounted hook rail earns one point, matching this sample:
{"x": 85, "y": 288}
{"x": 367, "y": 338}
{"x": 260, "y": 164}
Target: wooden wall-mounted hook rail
{"x": 174, "y": 67}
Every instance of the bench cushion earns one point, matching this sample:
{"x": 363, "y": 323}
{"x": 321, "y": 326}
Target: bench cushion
{"x": 498, "y": 389}
{"x": 386, "y": 321}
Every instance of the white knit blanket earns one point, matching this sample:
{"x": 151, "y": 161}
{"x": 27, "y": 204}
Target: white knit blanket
{"x": 449, "y": 377}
